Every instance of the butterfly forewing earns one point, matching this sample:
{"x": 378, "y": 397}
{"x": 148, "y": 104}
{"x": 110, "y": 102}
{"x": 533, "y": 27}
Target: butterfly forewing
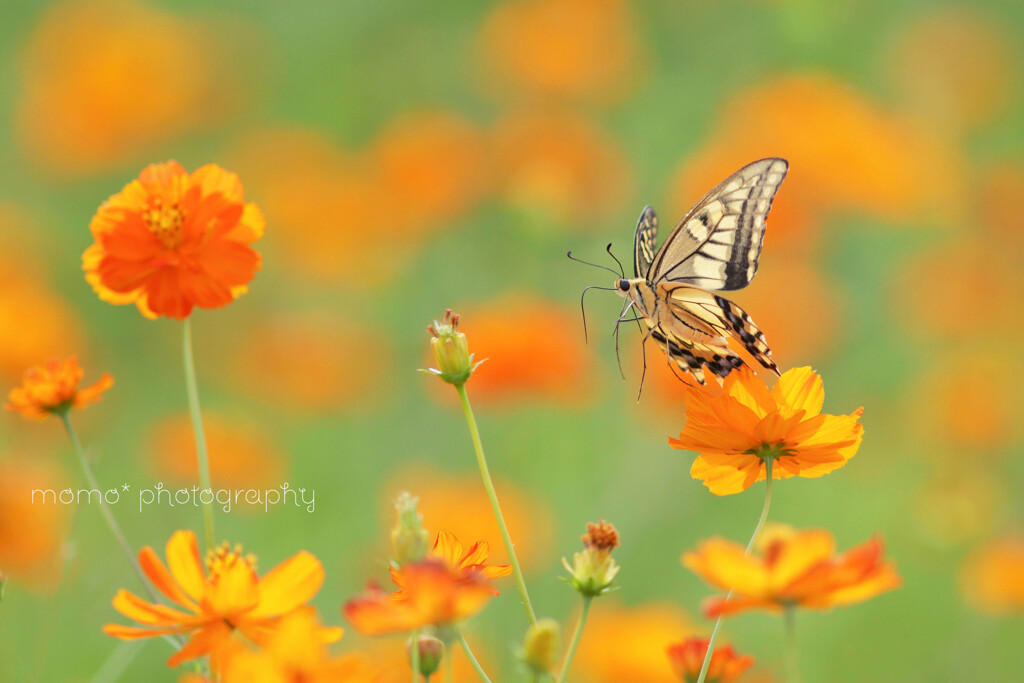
{"x": 717, "y": 244}
{"x": 645, "y": 242}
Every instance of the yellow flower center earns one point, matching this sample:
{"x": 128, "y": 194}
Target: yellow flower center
{"x": 225, "y": 559}
{"x": 165, "y": 220}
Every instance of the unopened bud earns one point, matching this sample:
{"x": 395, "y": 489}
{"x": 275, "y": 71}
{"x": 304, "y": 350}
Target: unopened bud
{"x": 431, "y": 652}
{"x": 541, "y": 646}
{"x": 451, "y": 350}
{"x": 409, "y": 540}
{"x": 593, "y": 570}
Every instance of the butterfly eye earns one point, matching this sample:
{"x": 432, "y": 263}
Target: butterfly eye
{"x": 624, "y": 285}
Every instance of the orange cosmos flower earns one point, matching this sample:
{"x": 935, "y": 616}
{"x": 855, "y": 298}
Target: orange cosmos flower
{"x": 53, "y": 389}
{"x": 687, "y": 659}
{"x": 448, "y": 550}
{"x": 33, "y": 526}
{"x": 737, "y": 426}
{"x": 170, "y": 241}
{"x": 792, "y": 569}
{"x": 225, "y": 597}
{"x": 431, "y": 593}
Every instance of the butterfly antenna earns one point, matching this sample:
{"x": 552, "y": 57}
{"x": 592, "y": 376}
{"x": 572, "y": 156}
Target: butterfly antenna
{"x": 583, "y": 308}
{"x": 622, "y": 271}
{"x": 596, "y": 265}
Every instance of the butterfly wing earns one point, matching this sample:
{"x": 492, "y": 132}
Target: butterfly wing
{"x": 717, "y": 244}
{"x": 708, "y": 321}
{"x": 645, "y": 242}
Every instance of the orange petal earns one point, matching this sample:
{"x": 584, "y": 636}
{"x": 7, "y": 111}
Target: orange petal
{"x": 143, "y": 612}
{"x": 288, "y": 585}
{"x": 206, "y": 641}
{"x": 800, "y": 389}
{"x": 162, "y": 579}
{"x": 186, "y": 564}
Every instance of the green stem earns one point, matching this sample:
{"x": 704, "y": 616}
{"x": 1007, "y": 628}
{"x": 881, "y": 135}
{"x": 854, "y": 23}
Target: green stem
{"x": 414, "y": 656}
{"x": 197, "y": 428}
{"x": 793, "y": 663}
{"x": 472, "y": 660}
{"x": 493, "y": 497}
{"x": 575, "y": 639}
{"x": 104, "y": 508}
{"x": 753, "y": 537}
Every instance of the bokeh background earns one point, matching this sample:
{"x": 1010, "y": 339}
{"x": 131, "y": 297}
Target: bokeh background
{"x": 412, "y": 156}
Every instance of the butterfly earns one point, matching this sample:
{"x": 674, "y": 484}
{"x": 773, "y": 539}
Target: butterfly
{"x": 714, "y": 248}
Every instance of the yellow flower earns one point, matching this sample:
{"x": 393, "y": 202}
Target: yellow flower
{"x": 792, "y": 569}
{"x": 739, "y": 425}
{"x": 227, "y": 596}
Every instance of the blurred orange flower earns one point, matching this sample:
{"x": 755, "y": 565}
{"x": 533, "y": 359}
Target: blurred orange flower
{"x": 171, "y": 240}
{"x": 53, "y": 389}
{"x": 628, "y": 644}
{"x": 687, "y": 659}
{"x": 966, "y": 401}
{"x": 309, "y": 362}
{"x": 35, "y": 322}
{"x": 562, "y": 48}
{"x": 958, "y": 288}
{"x": 559, "y": 164}
{"x": 433, "y": 165}
{"x": 793, "y": 569}
{"x": 736, "y": 426}
{"x": 458, "y": 502}
{"x": 241, "y": 452}
{"x": 89, "y": 100}
{"x": 32, "y": 523}
{"x": 955, "y": 67}
{"x": 533, "y": 351}
{"x": 992, "y": 578}
{"x": 225, "y": 597}
{"x": 293, "y": 653}
{"x": 448, "y": 550}
{"x": 1001, "y": 186}
{"x": 430, "y": 593}
{"x": 846, "y": 153}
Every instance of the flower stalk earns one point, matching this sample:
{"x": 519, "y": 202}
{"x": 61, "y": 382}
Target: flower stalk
{"x": 472, "y": 659}
{"x": 792, "y": 651}
{"x": 493, "y": 498}
{"x": 757, "y": 530}
{"x": 115, "y": 529}
{"x": 197, "y": 428}
{"x": 576, "y": 636}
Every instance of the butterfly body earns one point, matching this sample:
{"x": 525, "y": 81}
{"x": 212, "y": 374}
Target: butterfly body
{"x": 715, "y": 247}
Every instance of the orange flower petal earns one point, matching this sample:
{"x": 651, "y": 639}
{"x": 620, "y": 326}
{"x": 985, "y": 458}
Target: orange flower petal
{"x": 288, "y": 585}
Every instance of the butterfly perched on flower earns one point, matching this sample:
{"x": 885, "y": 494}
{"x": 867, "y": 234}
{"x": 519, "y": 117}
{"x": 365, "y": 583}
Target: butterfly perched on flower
{"x": 714, "y": 248}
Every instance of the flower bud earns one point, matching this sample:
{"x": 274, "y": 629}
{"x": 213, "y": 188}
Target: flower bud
{"x": 541, "y": 646}
{"x": 409, "y": 540}
{"x": 593, "y": 570}
{"x": 451, "y": 350}
{"x": 431, "y": 652}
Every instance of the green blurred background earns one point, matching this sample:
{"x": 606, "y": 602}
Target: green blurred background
{"x": 414, "y": 156}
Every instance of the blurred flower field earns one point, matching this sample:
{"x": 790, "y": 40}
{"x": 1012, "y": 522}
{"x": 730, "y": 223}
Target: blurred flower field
{"x": 368, "y": 165}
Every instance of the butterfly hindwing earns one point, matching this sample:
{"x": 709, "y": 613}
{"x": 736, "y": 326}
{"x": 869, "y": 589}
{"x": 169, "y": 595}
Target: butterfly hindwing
{"x": 709, "y": 320}
{"x": 717, "y": 244}
{"x": 694, "y": 357}
{"x": 645, "y": 242}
